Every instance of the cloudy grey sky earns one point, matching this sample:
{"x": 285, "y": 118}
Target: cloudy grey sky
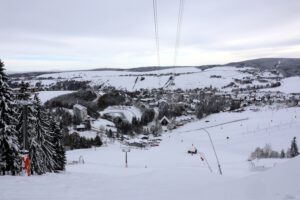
{"x": 83, "y": 34}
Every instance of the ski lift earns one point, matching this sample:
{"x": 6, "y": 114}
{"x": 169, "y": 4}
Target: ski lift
{"x": 170, "y": 81}
{"x": 137, "y": 80}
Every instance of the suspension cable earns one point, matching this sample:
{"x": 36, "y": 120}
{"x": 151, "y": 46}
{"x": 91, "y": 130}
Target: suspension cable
{"x": 156, "y": 37}
{"x": 178, "y": 33}
{"x": 156, "y": 31}
{"x": 177, "y": 40}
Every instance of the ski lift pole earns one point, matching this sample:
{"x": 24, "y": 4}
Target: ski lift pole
{"x": 24, "y": 128}
{"x": 212, "y": 144}
{"x": 126, "y": 150}
{"x": 25, "y": 151}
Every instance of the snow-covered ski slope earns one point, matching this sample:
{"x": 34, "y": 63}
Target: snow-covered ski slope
{"x": 186, "y": 77}
{"x": 168, "y": 172}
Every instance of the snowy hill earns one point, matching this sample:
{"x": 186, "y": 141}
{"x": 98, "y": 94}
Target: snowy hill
{"x": 185, "y": 78}
{"x": 288, "y": 85}
{"x": 287, "y": 66}
{"x": 237, "y": 75}
{"x": 168, "y": 172}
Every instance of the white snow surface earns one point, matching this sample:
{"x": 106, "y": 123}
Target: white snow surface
{"x": 168, "y": 172}
{"x": 87, "y": 134}
{"x": 47, "y": 95}
{"x": 288, "y": 85}
{"x": 103, "y": 124}
{"x": 188, "y": 77}
{"x": 127, "y": 112}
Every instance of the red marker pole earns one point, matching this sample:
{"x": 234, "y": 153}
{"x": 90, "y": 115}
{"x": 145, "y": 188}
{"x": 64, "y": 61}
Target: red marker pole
{"x": 25, "y": 159}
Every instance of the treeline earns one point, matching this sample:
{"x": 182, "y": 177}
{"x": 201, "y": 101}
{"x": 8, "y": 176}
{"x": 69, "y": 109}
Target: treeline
{"x": 44, "y": 140}
{"x": 268, "y": 152}
{"x": 111, "y": 98}
{"x": 70, "y": 85}
{"x": 83, "y": 97}
{"x": 213, "y": 104}
{"x": 75, "y": 141}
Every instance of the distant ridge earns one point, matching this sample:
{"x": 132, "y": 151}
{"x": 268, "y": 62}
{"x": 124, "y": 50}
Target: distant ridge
{"x": 288, "y": 66}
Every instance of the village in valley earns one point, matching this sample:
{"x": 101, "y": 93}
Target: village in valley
{"x": 221, "y": 123}
{"x": 137, "y": 116}
{"x": 149, "y": 100}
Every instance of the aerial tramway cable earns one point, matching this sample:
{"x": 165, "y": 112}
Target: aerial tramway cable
{"x": 177, "y": 43}
{"x": 170, "y": 81}
{"x": 156, "y": 38}
{"x": 154, "y": 5}
{"x": 156, "y": 32}
{"x": 178, "y": 33}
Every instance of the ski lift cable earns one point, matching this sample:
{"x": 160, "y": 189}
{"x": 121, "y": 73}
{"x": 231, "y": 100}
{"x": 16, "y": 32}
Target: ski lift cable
{"x": 154, "y": 7}
{"x": 177, "y": 42}
{"x": 156, "y": 37}
{"x": 178, "y": 33}
{"x": 156, "y": 31}
{"x": 215, "y": 125}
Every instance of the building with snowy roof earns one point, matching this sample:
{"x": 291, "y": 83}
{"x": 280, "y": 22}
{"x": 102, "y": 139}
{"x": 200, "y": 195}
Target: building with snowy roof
{"x": 80, "y": 112}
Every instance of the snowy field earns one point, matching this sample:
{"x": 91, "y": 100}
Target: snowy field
{"x": 168, "y": 172}
{"x": 288, "y": 85}
{"x": 188, "y": 77}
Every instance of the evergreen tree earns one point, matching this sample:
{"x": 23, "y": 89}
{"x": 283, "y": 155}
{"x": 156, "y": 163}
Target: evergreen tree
{"x": 294, "y": 148}
{"x": 23, "y": 94}
{"x": 36, "y": 154}
{"x": 282, "y": 154}
{"x": 60, "y": 154}
{"x": 9, "y": 145}
{"x": 43, "y": 138}
{"x": 97, "y": 142}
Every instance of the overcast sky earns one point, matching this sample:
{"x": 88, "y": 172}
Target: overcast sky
{"x": 83, "y": 34}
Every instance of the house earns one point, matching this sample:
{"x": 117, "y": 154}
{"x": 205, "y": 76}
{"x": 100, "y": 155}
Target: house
{"x": 164, "y": 121}
{"x": 80, "y": 112}
{"x": 80, "y": 127}
{"x": 136, "y": 143}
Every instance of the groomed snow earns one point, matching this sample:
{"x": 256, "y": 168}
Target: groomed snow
{"x": 168, "y": 172}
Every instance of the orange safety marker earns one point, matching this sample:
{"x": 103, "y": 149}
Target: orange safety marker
{"x": 25, "y": 159}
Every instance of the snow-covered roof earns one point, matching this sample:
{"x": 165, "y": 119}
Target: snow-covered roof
{"x": 80, "y": 126}
{"x": 164, "y": 118}
{"x": 127, "y": 112}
